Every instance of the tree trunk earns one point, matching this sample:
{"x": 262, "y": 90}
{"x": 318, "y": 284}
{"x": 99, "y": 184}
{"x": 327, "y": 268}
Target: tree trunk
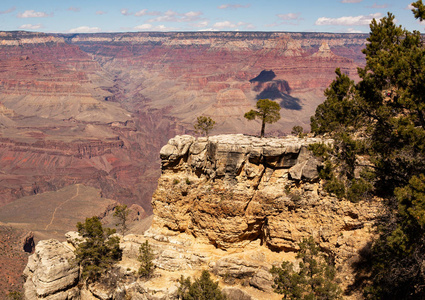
{"x": 263, "y": 126}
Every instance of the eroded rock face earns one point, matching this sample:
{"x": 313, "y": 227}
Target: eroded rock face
{"x": 230, "y": 190}
{"x": 50, "y": 272}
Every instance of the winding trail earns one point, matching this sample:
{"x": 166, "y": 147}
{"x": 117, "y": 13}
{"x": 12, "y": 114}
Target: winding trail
{"x": 54, "y": 213}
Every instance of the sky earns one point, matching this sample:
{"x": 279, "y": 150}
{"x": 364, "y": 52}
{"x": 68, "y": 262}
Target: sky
{"x": 78, "y": 16}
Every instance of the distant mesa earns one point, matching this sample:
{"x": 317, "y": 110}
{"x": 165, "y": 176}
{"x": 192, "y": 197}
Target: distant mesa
{"x": 264, "y": 76}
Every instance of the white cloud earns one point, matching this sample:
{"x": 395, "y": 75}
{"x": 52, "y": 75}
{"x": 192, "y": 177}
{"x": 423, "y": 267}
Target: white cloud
{"x": 74, "y": 9}
{"x": 33, "y": 14}
{"x": 352, "y": 30}
{"x": 84, "y": 29}
{"x": 144, "y": 27}
{"x": 172, "y": 16}
{"x": 200, "y": 24}
{"x": 228, "y": 24}
{"x": 351, "y": 1}
{"x": 224, "y": 24}
{"x": 410, "y": 7}
{"x": 290, "y": 16}
{"x": 142, "y": 12}
{"x": 378, "y": 6}
{"x": 125, "y": 12}
{"x": 150, "y": 27}
{"x": 145, "y": 12}
{"x": 7, "y": 11}
{"x": 348, "y": 21}
{"x": 100, "y": 12}
{"x": 233, "y": 6}
{"x": 31, "y": 26}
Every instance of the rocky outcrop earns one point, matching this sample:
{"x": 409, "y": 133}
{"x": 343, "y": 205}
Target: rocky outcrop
{"x": 233, "y": 190}
{"x": 232, "y": 204}
{"x": 51, "y": 273}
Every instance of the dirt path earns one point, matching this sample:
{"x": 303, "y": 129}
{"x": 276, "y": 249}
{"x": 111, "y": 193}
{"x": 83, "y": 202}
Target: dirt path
{"x": 54, "y": 213}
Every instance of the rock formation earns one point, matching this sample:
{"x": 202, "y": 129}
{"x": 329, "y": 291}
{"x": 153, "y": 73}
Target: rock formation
{"x": 50, "y": 272}
{"x": 232, "y": 204}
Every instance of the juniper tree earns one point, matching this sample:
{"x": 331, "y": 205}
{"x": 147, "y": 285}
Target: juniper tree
{"x": 146, "y": 257}
{"x": 203, "y": 288}
{"x": 314, "y": 280}
{"x": 267, "y": 111}
{"x": 204, "y": 124}
{"x": 383, "y": 116}
{"x": 121, "y": 214}
{"x": 99, "y": 251}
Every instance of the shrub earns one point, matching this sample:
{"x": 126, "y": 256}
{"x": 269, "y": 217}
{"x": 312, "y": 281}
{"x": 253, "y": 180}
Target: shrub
{"x": 298, "y": 131}
{"x": 335, "y": 186}
{"x": 203, "y": 288}
{"x": 146, "y": 257}
{"x": 99, "y": 251}
{"x": 358, "y": 189}
{"x": 315, "y": 278}
{"x": 121, "y": 213}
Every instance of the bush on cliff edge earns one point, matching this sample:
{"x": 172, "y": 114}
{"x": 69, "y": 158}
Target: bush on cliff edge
{"x": 99, "y": 251}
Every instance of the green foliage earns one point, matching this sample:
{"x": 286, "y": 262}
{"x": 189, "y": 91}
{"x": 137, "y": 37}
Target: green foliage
{"x": 315, "y": 278}
{"x": 298, "y": 131}
{"x": 203, "y": 288}
{"x": 358, "y": 189}
{"x": 146, "y": 257}
{"x": 15, "y": 295}
{"x": 188, "y": 181}
{"x": 339, "y": 107}
{"x": 383, "y": 117}
{"x": 121, "y": 213}
{"x": 99, "y": 251}
{"x": 419, "y": 10}
{"x": 204, "y": 124}
{"x": 320, "y": 150}
{"x": 336, "y": 187}
{"x": 267, "y": 111}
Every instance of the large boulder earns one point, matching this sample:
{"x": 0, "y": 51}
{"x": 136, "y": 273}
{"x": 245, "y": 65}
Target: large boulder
{"x": 50, "y": 271}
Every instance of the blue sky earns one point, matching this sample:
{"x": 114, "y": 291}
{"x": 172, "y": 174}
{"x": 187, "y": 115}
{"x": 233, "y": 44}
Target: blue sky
{"x": 200, "y": 15}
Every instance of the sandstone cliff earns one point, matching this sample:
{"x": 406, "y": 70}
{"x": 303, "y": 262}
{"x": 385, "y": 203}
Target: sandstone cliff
{"x": 234, "y": 205}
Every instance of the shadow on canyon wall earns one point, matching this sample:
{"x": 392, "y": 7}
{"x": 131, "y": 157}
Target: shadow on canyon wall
{"x": 286, "y": 101}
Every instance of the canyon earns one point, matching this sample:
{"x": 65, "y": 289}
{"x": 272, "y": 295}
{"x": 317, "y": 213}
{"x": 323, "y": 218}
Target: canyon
{"x": 95, "y": 109}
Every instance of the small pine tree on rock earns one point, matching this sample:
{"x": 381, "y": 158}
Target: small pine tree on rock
{"x": 267, "y": 111}
{"x": 146, "y": 257}
{"x": 204, "y": 125}
{"x": 203, "y": 288}
{"x": 99, "y": 251}
{"x": 121, "y": 213}
{"x": 314, "y": 280}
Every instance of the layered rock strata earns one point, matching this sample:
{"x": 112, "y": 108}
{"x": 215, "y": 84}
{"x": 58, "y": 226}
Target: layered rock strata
{"x": 231, "y": 190}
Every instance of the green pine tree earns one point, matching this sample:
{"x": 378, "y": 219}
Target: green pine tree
{"x": 121, "y": 213}
{"x": 203, "y": 288}
{"x": 383, "y": 117}
{"x": 267, "y": 111}
{"x": 204, "y": 125}
{"x": 146, "y": 257}
{"x": 314, "y": 280}
{"x": 99, "y": 251}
